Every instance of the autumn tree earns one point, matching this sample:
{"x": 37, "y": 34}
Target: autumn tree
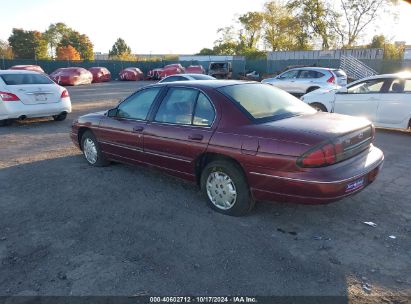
{"x": 67, "y": 53}
{"x": 80, "y": 42}
{"x": 6, "y": 51}
{"x": 251, "y": 24}
{"x": 28, "y": 44}
{"x": 120, "y": 51}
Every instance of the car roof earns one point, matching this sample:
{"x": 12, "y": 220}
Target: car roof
{"x": 312, "y": 69}
{"x": 6, "y": 72}
{"x": 214, "y": 84}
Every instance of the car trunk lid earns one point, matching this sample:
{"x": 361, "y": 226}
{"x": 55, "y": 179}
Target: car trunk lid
{"x": 36, "y": 94}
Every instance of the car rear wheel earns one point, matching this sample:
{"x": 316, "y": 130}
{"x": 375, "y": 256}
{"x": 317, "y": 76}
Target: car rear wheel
{"x": 60, "y": 117}
{"x": 92, "y": 151}
{"x": 225, "y": 188}
{"x": 319, "y": 107}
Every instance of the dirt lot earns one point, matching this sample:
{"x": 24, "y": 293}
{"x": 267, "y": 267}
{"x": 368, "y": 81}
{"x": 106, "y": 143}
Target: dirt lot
{"x": 70, "y": 229}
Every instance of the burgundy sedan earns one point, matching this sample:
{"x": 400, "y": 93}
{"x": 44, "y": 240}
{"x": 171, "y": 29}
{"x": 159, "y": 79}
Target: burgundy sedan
{"x": 240, "y": 141}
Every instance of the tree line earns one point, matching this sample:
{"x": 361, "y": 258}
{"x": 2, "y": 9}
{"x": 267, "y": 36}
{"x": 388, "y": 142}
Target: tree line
{"x": 285, "y": 25}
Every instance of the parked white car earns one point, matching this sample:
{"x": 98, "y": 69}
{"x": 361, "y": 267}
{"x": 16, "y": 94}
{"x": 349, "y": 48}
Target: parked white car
{"x": 383, "y": 99}
{"x": 26, "y": 94}
{"x": 299, "y": 81}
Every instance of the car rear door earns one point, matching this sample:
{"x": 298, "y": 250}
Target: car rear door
{"x": 395, "y": 105}
{"x": 361, "y": 99}
{"x": 307, "y": 79}
{"x": 180, "y": 131}
{"x": 121, "y": 135}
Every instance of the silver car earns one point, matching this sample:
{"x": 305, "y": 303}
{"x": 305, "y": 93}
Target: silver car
{"x": 299, "y": 81}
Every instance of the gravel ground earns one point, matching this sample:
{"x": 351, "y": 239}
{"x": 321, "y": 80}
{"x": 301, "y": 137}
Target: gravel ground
{"x": 71, "y": 229}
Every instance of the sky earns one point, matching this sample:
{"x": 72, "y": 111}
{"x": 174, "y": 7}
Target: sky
{"x": 155, "y": 26}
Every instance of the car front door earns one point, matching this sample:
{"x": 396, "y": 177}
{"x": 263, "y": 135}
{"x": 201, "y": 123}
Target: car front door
{"x": 395, "y": 105}
{"x": 361, "y": 99}
{"x": 120, "y": 133}
{"x": 286, "y": 81}
{"x": 180, "y": 131}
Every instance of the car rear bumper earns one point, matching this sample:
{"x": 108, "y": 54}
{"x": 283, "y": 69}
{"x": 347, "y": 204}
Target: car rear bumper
{"x": 318, "y": 185}
{"x": 16, "y": 109}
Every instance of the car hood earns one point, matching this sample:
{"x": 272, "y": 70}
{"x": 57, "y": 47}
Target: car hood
{"x": 91, "y": 117}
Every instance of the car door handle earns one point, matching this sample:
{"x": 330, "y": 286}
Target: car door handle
{"x": 195, "y": 137}
{"x": 138, "y": 129}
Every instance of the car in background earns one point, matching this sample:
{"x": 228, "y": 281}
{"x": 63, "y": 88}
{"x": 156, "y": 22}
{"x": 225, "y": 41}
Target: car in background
{"x": 185, "y": 77}
{"x": 221, "y": 70}
{"x": 154, "y": 74}
{"x": 195, "y": 69}
{"x": 25, "y": 94}
{"x": 27, "y": 67}
{"x": 100, "y": 74}
{"x": 172, "y": 69}
{"x": 71, "y": 76}
{"x": 240, "y": 141}
{"x": 131, "y": 74}
{"x": 383, "y": 99}
{"x": 300, "y": 81}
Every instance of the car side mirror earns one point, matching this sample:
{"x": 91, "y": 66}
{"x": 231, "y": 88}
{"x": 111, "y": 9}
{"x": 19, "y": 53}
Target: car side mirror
{"x": 112, "y": 112}
{"x": 342, "y": 90}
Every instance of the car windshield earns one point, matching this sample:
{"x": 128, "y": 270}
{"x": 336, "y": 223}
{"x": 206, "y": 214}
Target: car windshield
{"x": 18, "y": 79}
{"x": 202, "y": 77}
{"x": 264, "y": 102}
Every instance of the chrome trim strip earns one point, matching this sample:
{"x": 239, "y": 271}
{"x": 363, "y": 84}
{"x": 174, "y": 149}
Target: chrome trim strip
{"x": 314, "y": 181}
{"x": 38, "y": 93}
{"x": 142, "y": 151}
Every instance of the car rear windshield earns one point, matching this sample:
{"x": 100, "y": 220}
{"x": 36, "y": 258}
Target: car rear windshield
{"x": 18, "y": 79}
{"x": 202, "y": 77}
{"x": 339, "y": 73}
{"x": 264, "y": 102}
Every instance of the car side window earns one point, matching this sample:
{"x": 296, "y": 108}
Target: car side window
{"x": 366, "y": 87}
{"x": 289, "y": 74}
{"x": 177, "y": 107}
{"x": 138, "y": 105}
{"x": 204, "y": 112}
{"x": 305, "y": 74}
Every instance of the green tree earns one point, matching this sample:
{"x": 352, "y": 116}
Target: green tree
{"x": 313, "y": 15}
{"x": 391, "y": 50}
{"x": 6, "y": 51}
{"x": 80, "y": 42}
{"x": 54, "y": 34}
{"x": 282, "y": 31}
{"x": 251, "y": 23}
{"x": 120, "y": 50}
{"x": 206, "y": 51}
{"x": 28, "y": 44}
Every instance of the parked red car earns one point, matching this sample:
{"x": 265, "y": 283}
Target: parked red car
{"x": 195, "y": 69}
{"x": 154, "y": 74}
{"x": 131, "y": 74}
{"x": 28, "y": 67}
{"x": 240, "y": 141}
{"x": 100, "y": 74}
{"x": 172, "y": 69}
{"x": 71, "y": 76}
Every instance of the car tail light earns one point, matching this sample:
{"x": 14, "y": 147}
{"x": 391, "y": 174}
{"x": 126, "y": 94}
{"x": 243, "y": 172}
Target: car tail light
{"x": 323, "y": 155}
{"x": 64, "y": 94}
{"x": 331, "y": 79}
{"x": 5, "y": 96}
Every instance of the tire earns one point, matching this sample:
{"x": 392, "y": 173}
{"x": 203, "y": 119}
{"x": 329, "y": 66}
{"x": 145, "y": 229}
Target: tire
{"x": 236, "y": 204}
{"x": 312, "y": 89}
{"x": 88, "y": 141}
{"x": 5, "y": 122}
{"x": 319, "y": 107}
{"x": 60, "y": 117}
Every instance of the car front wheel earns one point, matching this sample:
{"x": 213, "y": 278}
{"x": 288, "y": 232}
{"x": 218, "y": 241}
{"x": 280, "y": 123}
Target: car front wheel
{"x": 60, "y": 117}
{"x": 319, "y": 107}
{"x": 225, "y": 187}
{"x": 91, "y": 150}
